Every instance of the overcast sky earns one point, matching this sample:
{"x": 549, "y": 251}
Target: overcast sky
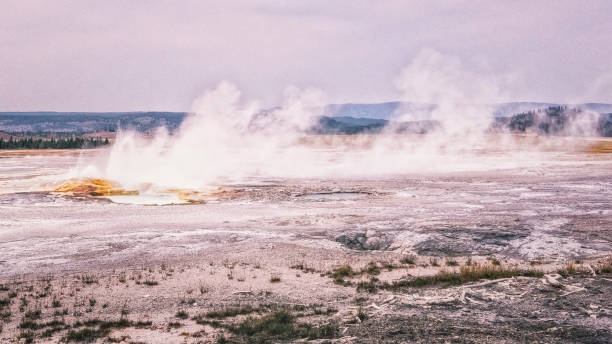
{"x": 159, "y": 55}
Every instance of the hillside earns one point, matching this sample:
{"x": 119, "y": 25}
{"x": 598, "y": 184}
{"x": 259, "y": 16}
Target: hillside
{"x": 350, "y": 118}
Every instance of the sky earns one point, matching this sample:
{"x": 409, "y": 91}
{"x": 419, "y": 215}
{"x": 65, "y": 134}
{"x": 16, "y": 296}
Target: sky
{"x": 110, "y": 55}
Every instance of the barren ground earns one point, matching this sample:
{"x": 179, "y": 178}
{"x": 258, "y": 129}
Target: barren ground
{"x": 321, "y": 260}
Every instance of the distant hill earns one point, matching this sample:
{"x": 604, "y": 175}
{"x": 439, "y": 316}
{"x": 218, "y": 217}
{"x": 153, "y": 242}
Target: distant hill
{"x": 558, "y": 120}
{"x": 509, "y": 109}
{"x": 388, "y": 110}
{"x": 348, "y": 125}
{"x": 376, "y": 111}
{"x": 87, "y": 122}
{"x": 350, "y": 118}
{"x": 597, "y": 107}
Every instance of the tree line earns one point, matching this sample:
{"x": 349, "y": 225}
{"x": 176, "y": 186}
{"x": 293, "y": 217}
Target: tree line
{"x": 52, "y": 143}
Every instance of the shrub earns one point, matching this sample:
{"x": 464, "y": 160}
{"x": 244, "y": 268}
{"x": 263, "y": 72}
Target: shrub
{"x": 409, "y": 259}
{"x": 182, "y": 314}
{"x": 451, "y": 262}
{"x": 372, "y": 269}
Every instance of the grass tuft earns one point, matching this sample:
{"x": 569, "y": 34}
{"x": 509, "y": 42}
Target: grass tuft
{"x": 605, "y": 267}
{"x": 5, "y": 302}
{"x": 88, "y": 279}
{"x": 409, "y": 259}
{"x": 174, "y": 324}
{"x": 343, "y": 271}
{"x": 466, "y": 274}
{"x": 33, "y": 315}
{"x": 87, "y": 335}
{"x": 372, "y": 269}
{"x": 150, "y": 283}
{"x": 182, "y": 314}
{"x": 231, "y": 312}
{"x": 369, "y": 286}
{"x": 340, "y": 273}
{"x": 451, "y": 262}
{"x": 494, "y": 261}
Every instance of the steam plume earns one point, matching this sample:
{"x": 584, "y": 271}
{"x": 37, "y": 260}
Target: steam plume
{"x": 228, "y": 139}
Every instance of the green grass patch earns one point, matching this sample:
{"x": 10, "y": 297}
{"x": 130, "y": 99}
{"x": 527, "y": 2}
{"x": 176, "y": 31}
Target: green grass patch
{"x": 302, "y": 267}
{"x": 88, "y": 279}
{"x": 174, "y": 324}
{"x": 343, "y": 271}
{"x": 232, "y": 312}
{"x": 86, "y": 335}
{"x": 370, "y": 286}
{"x": 150, "y": 283}
{"x": 466, "y": 274}
{"x": 4, "y": 302}
{"x": 33, "y": 325}
{"x": 28, "y": 336}
{"x": 118, "y": 324}
{"x": 201, "y": 320}
{"x": 280, "y": 326}
{"x": 5, "y": 316}
{"x": 451, "y": 262}
{"x": 372, "y": 269}
{"x": 409, "y": 259}
{"x": 340, "y": 273}
{"x": 33, "y": 315}
{"x": 182, "y": 314}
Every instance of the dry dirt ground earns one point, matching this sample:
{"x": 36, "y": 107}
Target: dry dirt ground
{"x": 505, "y": 256}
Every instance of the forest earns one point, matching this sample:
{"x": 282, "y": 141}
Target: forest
{"x": 52, "y": 143}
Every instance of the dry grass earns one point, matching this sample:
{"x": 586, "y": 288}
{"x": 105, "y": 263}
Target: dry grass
{"x": 605, "y": 267}
{"x": 343, "y": 271}
{"x": 182, "y": 314}
{"x": 466, "y": 274}
{"x": 599, "y": 147}
{"x": 434, "y": 261}
{"x": 339, "y": 274}
{"x": 371, "y": 269}
{"x": 574, "y": 269}
{"x": 409, "y": 259}
{"x": 451, "y": 262}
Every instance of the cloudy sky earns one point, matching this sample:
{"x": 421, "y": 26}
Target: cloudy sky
{"x": 159, "y": 55}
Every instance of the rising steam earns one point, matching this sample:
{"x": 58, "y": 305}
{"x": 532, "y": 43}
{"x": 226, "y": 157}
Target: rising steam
{"x": 230, "y": 140}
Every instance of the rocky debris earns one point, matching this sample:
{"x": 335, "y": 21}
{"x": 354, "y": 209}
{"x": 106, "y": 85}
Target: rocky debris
{"x": 508, "y": 310}
{"x": 366, "y": 241}
{"x": 552, "y": 279}
{"x": 459, "y": 241}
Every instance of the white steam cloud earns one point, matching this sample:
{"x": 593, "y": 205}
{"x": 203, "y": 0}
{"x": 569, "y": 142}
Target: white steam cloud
{"x": 230, "y": 140}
